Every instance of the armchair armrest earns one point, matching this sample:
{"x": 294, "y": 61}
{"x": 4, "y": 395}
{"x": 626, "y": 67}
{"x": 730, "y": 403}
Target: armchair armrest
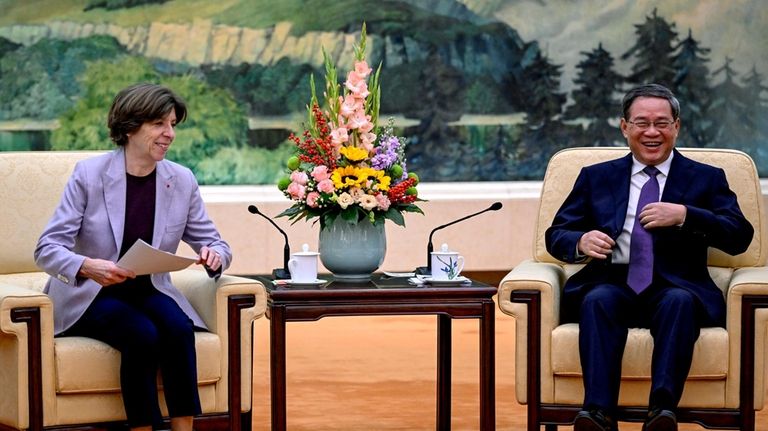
{"x": 545, "y": 278}
{"x": 531, "y": 294}
{"x": 228, "y": 306}
{"x": 209, "y": 297}
{"x": 26, "y": 352}
{"x": 747, "y": 325}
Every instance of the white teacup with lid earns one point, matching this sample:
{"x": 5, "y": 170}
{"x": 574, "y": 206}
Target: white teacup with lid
{"x": 303, "y": 266}
{"x": 446, "y": 264}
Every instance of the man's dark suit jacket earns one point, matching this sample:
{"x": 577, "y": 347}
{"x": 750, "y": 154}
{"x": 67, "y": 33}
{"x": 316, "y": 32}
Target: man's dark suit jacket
{"x": 599, "y": 201}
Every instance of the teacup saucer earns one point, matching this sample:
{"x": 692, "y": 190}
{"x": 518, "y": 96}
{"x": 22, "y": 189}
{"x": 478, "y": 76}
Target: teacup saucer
{"x": 429, "y": 280}
{"x": 317, "y": 282}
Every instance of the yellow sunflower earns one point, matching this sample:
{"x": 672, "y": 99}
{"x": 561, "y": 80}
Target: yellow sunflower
{"x": 382, "y": 179}
{"x": 350, "y": 176}
{"x": 354, "y": 154}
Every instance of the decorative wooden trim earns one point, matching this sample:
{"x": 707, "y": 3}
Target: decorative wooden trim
{"x": 31, "y": 316}
{"x": 235, "y": 304}
{"x": 749, "y": 305}
{"x": 533, "y": 355}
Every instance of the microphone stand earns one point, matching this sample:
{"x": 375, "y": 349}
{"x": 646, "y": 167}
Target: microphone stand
{"x": 427, "y": 270}
{"x": 277, "y": 273}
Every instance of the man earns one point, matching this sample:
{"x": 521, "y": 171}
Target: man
{"x": 647, "y": 262}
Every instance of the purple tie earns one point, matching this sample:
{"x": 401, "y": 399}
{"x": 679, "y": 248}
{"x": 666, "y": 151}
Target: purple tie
{"x": 640, "y": 272}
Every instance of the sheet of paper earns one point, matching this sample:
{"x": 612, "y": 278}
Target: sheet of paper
{"x": 142, "y": 258}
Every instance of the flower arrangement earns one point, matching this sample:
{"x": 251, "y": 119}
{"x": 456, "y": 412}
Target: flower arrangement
{"x": 346, "y": 166}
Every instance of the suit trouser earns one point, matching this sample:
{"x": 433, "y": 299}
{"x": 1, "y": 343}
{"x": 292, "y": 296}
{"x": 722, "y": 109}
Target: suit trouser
{"x": 674, "y": 317}
{"x": 151, "y": 332}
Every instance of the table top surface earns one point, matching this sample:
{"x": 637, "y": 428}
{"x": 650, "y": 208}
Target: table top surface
{"x": 379, "y": 286}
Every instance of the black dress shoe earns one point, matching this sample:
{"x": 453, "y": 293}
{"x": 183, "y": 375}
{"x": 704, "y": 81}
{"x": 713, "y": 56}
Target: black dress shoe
{"x": 594, "y": 420}
{"x": 660, "y": 420}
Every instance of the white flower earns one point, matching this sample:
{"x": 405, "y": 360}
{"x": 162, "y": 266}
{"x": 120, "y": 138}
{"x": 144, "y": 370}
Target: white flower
{"x": 345, "y": 200}
{"x": 368, "y": 202}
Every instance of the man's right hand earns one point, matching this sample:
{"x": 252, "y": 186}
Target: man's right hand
{"x": 104, "y": 272}
{"x": 596, "y": 244}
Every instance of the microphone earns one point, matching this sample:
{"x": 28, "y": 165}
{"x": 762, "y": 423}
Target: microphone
{"x": 277, "y": 273}
{"x": 427, "y": 270}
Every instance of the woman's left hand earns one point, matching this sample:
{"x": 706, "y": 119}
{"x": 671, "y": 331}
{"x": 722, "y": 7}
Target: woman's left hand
{"x": 209, "y": 258}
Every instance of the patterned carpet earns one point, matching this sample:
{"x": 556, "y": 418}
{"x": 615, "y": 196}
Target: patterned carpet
{"x": 378, "y": 373}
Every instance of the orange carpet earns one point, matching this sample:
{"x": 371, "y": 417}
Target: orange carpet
{"x": 378, "y": 373}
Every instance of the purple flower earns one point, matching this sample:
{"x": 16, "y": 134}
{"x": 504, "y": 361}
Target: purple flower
{"x": 386, "y": 153}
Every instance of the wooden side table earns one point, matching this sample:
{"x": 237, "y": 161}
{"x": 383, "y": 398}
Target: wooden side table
{"x": 388, "y": 296}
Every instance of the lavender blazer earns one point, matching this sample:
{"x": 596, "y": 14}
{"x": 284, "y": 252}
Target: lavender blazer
{"x": 89, "y": 222}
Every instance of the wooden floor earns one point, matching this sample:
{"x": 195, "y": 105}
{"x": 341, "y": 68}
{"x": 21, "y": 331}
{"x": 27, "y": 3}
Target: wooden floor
{"x": 378, "y": 373}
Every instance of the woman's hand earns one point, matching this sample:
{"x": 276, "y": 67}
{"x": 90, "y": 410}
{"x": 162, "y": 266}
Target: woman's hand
{"x": 104, "y": 272}
{"x": 209, "y": 258}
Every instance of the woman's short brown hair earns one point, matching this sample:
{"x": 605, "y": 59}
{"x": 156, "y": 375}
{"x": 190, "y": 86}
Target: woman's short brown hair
{"x": 138, "y": 104}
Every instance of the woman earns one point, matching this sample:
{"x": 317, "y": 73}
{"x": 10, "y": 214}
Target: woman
{"x": 110, "y": 202}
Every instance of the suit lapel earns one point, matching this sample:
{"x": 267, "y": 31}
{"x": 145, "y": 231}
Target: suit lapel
{"x": 166, "y": 183}
{"x": 114, "y": 195}
{"x": 680, "y": 176}
{"x": 618, "y": 183}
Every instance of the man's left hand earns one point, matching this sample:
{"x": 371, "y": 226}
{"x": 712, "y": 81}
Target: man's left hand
{"x": 662, "y": 214}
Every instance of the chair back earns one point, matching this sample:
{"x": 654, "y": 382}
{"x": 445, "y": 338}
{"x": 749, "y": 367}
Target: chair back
{"x": 31, "y": 188}
{"x": 739, "y": 168}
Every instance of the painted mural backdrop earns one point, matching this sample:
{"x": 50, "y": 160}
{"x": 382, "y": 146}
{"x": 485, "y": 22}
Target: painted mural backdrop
{"x": 484, "y": 89}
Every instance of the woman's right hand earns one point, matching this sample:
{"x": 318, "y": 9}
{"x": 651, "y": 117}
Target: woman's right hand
{"x": 104, "y": 272}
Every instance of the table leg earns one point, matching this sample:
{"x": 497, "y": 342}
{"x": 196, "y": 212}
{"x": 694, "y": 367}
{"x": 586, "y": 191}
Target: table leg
{"x": 487, "y": 368}
{"x": 443, "y": 372}
{"x": 277, "y": 368}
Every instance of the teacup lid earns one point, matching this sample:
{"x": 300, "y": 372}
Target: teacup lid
{"x": 305, "y": 251}
{"x": 443, "y": 249}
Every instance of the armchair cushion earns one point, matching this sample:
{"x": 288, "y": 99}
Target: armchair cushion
{"x": 85, "y": 365}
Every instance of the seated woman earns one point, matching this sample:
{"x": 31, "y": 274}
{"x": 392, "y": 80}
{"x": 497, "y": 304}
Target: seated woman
{"x": 110, "y": 202}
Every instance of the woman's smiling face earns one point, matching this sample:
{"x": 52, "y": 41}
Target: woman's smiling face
{"x": 153, "y": 138}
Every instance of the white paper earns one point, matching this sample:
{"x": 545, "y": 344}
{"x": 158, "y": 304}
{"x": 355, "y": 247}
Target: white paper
{"x": 143, "y": 259}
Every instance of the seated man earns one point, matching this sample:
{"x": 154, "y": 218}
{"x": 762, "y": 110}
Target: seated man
{"x": 644, "y": 222}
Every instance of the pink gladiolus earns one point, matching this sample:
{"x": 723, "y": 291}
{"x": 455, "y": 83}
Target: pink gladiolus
{"x": 297, "y": 191}
{"x": 366, "y": 127}
{"x": 312, "y": 198}
{"x": 367, "y": 140}
{"x": 325, "y": 186}
{"x": 358, "y": 88}
{"x": 339, "y": 135}
{"x": 355, "y": 78}
{"x": 349, "y": 105}
{"x": 299, "y": 177}
{"x": 320, "y": 173}
{"x": 359, "y": 120}
{"x": 362, "y": 68}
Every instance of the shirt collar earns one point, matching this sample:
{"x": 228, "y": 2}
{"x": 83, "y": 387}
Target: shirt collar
{"x": 663, "y": 167}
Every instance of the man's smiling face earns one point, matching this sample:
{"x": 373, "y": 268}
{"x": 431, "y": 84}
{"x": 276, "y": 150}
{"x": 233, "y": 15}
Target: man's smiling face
{"x": 651, "y": 131}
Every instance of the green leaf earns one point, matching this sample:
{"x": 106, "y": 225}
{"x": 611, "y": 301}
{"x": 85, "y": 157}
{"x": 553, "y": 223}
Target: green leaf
{"x": 396, "y": 217}
{"x": 350, "y": 214}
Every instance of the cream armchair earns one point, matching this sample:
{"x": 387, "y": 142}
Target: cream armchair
{"x": 726, "y": 383}
{"x": 51, "y": 382}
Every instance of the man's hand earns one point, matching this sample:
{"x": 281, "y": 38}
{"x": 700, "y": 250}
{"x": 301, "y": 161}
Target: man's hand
{"x": 596, "y": 244}
{"x": 104, "y": 272}
{"x": 209, "y": 258}
{"x": 662, "y": 214}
